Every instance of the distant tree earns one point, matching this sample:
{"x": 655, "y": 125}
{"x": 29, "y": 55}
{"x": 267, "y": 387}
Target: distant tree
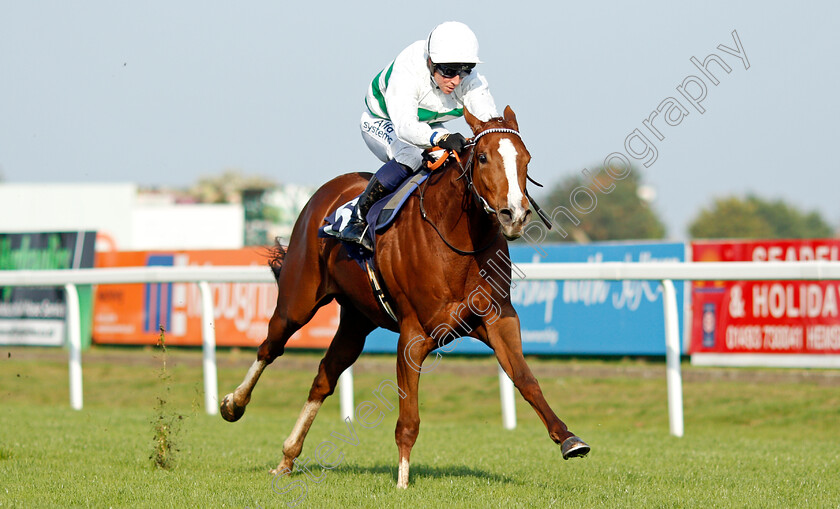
{"x": 621, "y": 212}
{"x": 227, "y": 187}
{"x": 753, "y": 217}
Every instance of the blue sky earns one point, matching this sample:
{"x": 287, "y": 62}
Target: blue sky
{"x": 163, "y": 93}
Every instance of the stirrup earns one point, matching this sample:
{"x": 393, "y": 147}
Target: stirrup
{"x": 364, "y": 240}
{"x": 356, "y": 232}
{"x": 350, "y": 233}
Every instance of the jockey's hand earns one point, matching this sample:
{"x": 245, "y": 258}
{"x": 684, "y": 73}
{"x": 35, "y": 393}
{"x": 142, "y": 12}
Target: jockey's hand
{"x": 453, "y": 141}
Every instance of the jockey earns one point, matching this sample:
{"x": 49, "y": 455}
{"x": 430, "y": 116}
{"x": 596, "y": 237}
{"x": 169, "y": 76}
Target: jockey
{"x": 430, "y": 82}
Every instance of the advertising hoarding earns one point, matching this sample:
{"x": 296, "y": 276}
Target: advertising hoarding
{"x": 135, "y": 313}
{"x": 36, "y": 316}
{"x": 582, "y": 317}
{"x": 776, "y": 323}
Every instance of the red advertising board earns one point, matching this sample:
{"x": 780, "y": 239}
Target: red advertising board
{"x": 769, "y": 318}
{"x": 133, "y": 313}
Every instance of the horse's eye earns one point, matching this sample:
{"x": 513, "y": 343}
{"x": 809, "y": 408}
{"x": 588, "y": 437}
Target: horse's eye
{"x": 482, "y": 158}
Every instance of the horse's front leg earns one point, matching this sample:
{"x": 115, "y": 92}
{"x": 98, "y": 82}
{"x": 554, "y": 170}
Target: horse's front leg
{"x": 505, "y": 339}
{"x": 413, "y": 348}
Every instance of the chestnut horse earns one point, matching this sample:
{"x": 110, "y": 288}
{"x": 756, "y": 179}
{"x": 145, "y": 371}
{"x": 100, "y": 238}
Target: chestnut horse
{"x": 435, "y": 262}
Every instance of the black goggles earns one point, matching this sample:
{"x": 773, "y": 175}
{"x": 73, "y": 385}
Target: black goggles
{"x": 452, "y": 70}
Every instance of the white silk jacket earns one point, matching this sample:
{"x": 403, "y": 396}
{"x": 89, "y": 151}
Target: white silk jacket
{"x": 406, "y": 94}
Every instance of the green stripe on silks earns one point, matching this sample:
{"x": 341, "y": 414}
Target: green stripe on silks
{"x": 424, "y": 115}
{"x": 377, "y": 92}
{"x": 388, "y": 74}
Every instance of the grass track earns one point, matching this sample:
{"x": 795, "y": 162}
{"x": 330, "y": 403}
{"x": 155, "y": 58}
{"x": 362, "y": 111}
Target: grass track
{"x": 747, "y": 444}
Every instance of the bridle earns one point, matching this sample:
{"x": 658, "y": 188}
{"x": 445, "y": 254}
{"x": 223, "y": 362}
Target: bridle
{"x": 467, "y": 172}
{"x": 480, "y": 199}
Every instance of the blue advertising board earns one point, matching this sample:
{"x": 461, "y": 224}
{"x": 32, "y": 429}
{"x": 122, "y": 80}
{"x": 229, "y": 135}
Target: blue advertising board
{"x": 582, "y": 317}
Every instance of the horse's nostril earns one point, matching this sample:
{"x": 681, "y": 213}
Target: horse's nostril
{"x": 527, "y": 217}
{"x": 505, "y": 216}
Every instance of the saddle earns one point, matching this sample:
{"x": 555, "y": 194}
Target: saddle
{"x": 380, "y": 216}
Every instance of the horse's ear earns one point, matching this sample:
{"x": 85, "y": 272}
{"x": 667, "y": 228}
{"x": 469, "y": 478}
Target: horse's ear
{"x": 510, "y": 117}
{"x": 474, "y": 123}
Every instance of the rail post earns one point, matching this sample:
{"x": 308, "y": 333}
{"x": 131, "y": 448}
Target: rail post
{"x": 73, "y": 324}
{"x": 345, "y": 394}
{"x": 208, "y": 347}
{"x": 672, "y": 358}
{"x": 508, "y": 401}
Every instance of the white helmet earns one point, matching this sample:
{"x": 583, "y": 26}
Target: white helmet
{"x": 452, "y": 42}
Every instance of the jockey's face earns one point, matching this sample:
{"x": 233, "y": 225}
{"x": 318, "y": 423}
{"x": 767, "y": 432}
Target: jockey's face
{"x": 446, "y": 85}
{"x": 447, "y": 76}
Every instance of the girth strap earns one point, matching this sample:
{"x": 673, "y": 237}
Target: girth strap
{"x": 378, "y": 292}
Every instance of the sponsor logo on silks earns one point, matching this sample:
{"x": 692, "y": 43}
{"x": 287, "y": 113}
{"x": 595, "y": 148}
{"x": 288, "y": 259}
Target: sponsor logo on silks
{"x": 157, "y": 298}
{"x": 382, "y": 129}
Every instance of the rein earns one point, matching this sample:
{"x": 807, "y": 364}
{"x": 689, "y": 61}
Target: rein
{"x": 466, "y": 171}
{"x": 440, "y": 233}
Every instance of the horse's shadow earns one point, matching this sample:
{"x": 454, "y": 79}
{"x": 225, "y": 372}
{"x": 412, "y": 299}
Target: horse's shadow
{"x": 417, "y": 470}
{"x": 424, "y": 470}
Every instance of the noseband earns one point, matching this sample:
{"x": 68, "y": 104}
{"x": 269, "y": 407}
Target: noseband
{"x": 467, "y": 171}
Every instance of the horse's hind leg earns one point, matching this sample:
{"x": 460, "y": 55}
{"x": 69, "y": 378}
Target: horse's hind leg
{"x": 292, "y": 312}
{"x": 343, "y": 351}
{"x": 279, "y": 331}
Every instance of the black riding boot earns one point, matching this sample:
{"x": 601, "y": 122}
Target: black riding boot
{"x": 357, "y": 226}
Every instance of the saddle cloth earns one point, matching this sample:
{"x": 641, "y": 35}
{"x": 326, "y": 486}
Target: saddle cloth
{"x": 381, "y": 214}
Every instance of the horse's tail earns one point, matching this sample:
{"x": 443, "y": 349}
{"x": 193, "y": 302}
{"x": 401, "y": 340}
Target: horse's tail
{"x": 276, "y": 256}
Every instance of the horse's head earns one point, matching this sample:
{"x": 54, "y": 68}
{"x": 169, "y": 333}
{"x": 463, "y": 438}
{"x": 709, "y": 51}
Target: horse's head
{"x": 500, "y": 170}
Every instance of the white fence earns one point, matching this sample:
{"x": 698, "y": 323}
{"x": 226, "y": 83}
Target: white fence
{"x": 665, "y": 272}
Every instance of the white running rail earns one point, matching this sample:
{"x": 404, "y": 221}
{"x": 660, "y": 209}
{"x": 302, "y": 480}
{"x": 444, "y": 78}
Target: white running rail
{"x": 665, "y": 272}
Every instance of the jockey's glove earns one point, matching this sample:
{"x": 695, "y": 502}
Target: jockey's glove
{"x": 452, "y": 141}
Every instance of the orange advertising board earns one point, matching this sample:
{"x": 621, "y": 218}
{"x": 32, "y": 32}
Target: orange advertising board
{"x": 134, "y": 313}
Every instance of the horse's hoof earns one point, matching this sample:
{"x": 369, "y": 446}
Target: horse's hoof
{"x": 230, "y": 412}
{"x": 573, "y": 447}
{"x": 286, "y": 467}
{"x": 280, "y": 471}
